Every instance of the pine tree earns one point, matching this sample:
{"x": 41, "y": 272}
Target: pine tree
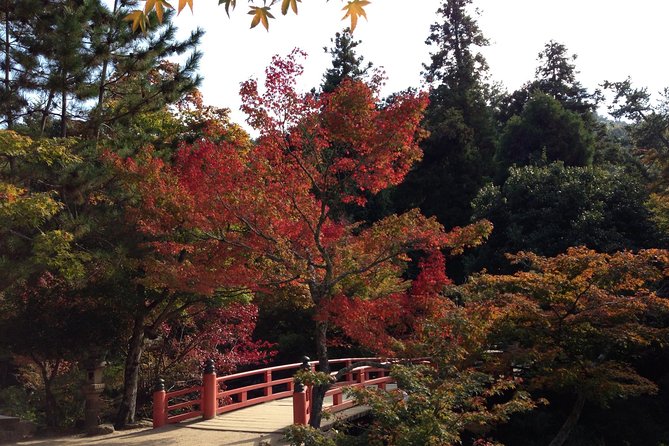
{"x": 18, "y": 63}
{"x": 345, "y": 62}
{"x": 555, "y": 76}
{"x": 92, "y": 72}
{"x": 458, "y": 155}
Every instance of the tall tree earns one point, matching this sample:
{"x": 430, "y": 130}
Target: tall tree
{"x": 18, "y": 62}
{"x": 345, "y": 61}
{"x": 89, "y": 71}
{"x": 555, "y": 76}
{"x": 545, "y": 131}
{"x": 459, "y": 151}
{"x": 650, "y": 136}
{"x": 266, "y": 217}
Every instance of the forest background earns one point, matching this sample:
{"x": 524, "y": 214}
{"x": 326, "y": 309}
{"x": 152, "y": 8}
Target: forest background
{"x": 145, "y": 228}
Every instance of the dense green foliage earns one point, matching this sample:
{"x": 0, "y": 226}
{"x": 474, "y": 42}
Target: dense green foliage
{"x": 548, "y": 209}
{"x": 543, "y": 132}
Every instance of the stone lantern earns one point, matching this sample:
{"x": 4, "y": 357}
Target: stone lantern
{"x": 92, "y": 390}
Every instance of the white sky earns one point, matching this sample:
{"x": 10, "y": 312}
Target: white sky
{"x": 612, "y": 38}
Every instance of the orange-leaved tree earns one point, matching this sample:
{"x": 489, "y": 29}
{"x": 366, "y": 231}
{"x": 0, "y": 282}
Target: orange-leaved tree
{"x": 572, "y": 323}
{"x": 271, "y": 215}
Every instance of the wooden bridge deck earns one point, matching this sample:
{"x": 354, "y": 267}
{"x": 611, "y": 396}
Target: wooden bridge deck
{"x": 258, "y": 425}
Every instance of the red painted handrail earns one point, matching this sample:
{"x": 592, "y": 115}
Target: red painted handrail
{"x": 219, "y": 395}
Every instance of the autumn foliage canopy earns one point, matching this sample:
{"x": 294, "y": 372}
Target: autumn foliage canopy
{"x": 276, "y": 214}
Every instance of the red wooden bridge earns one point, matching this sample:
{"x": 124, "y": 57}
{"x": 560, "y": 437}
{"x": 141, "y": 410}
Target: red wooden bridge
{"x": 222, "y": 394}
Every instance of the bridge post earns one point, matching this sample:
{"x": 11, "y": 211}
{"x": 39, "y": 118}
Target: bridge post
{"x": 268, "y": 379}
{"x": 349, "y": 375}
{"x": 362, "y": 375}
{"x": 300, "y": 402}
{"x": 159, "y": 404}
{"x": 209, "y": 391}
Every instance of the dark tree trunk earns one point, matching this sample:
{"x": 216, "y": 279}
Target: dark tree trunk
{"x": 318, "y": 392}
{"x": 97, "y": 118}
{"x": 45, "y": 112}
{"x": 63, "y": 112}
{"x": 51, "y": 407}
{"x": 9, "y": 112}
{"x": 570, "y": 423}
{"x": 126, "y": 412}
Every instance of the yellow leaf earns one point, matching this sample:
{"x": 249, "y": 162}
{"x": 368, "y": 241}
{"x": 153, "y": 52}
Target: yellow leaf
{"x": 160, "y": 9}
{"x": 355, "y": 9}
{"x": 183, "y": 3}
{"x": 289, "y": 3}
{"x": 138, "y": 19}
{"x": 260, "y": 15}
{"x": 149, "y": 5}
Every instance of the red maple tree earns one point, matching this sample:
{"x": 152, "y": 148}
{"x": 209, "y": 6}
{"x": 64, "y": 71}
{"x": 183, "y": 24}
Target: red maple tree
{"x": 273, "y": 215}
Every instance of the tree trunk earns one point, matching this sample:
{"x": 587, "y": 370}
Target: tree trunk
{"x": 97, "y": 117}
{"x": 45, "y": 112}
{"x": 126, "y": 412}
{"x": 570, "y": 423}
{"x": 318, "y": 392}
{"x": 63, "y": 111}
{"x": 8, "y": 111}
{"x": 51, "y": 407}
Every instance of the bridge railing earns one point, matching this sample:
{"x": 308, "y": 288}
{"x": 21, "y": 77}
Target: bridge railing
{"x": 221, "y": 394}
{"x": 362, "y": 376}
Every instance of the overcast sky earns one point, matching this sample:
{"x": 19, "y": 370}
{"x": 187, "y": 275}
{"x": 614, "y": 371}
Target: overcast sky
{"x": 612, "y": 38}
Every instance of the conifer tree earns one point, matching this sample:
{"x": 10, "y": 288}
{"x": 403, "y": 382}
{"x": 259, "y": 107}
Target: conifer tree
{"x": 345, "y": 61}
{"x": 17, "y": 62}
{"x": 90, "y": 72}
{"x": 555, "y": 76}
{"x": 458, "y": 154}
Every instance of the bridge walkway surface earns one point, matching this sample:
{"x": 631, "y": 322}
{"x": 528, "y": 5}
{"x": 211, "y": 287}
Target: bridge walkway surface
{"x": 260, "y": 425}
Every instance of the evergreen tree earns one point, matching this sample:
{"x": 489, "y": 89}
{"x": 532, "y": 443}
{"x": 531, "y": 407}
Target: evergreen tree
{"x": 345, "y": 62}
{"x": 545, "y": 131}
{"x": 547, "y": 209}
{"x": 458, "y": 155}
{"x": 92, "y": 72}
{"x": 555, "y": 76}
{"x": 18, "y": 63}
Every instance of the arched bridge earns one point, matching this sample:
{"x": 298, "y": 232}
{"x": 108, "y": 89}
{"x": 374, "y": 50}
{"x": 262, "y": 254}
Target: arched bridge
{"x": 273, "y": 390}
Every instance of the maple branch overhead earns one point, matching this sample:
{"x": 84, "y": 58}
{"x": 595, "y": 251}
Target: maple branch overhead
{"x": 139, "y": 18}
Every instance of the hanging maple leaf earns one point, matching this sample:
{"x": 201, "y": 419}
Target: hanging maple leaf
{"x": 228, "y": 3}
{"x": 260, "y": 15}
{"x": 289, "y": 3}
{"x": 183, "y": 3}
{"x": 157, "y": 5}
{"x": 138, "y": 19}
{"x": 355, "y": 9}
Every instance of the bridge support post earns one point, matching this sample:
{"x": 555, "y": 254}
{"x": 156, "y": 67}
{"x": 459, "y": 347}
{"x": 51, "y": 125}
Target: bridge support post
{"x": 300, "y": 406}
{"x": 159, "y": 404}
{"x": 300, "y": 400}
{"x": 209, "y": 391}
